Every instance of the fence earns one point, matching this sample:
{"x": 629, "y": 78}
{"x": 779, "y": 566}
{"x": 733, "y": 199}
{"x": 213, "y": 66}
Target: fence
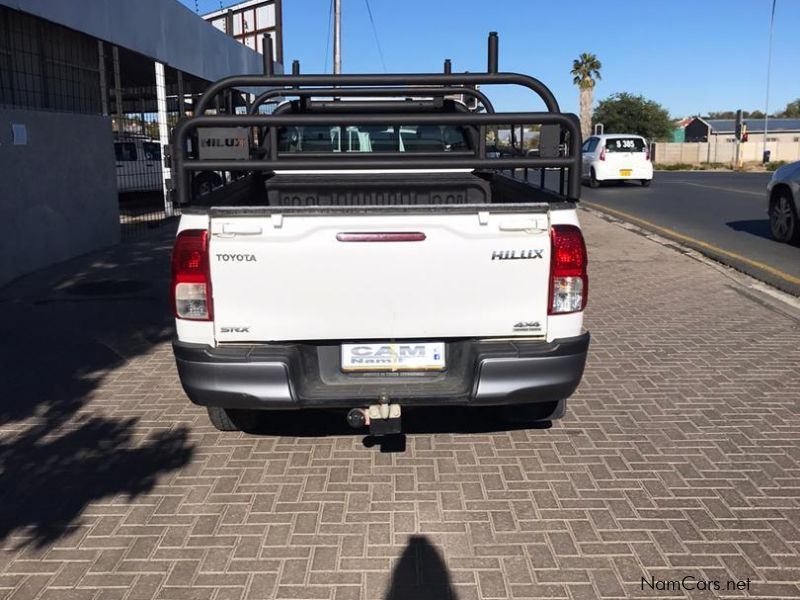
{"x": 723, "y": 152}
{"x": 140, "y": 133}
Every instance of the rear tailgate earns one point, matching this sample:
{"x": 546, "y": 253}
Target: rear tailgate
{"x": 301, "y": 273}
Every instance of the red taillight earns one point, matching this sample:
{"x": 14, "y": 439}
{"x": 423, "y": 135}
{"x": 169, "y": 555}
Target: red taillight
{"x": 647, "y": 154}
{"x": 603, "y": 154}
{"x": 569, "y": 284}
{"x": 191, "y": 281}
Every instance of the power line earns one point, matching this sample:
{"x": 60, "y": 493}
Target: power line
{"x": 328, "y": 43}
{"x": 375, "y": 33}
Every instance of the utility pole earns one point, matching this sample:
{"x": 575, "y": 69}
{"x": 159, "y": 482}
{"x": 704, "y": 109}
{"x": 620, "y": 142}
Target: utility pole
{"x": 337, "y": 37}
{"x": 738, "y": 135}
{"x": 769, "y": 68}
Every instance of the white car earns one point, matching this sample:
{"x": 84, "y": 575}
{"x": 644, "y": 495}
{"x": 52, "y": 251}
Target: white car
{"x": 616, "y": 157}
{"x": 783, "y": 193}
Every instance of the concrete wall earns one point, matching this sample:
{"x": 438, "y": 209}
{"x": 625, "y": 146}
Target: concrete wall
{"x": 52, "y": 210}
{"x": 722, "y": 151}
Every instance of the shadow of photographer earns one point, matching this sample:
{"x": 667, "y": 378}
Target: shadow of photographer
{"x": 420, "y": 574}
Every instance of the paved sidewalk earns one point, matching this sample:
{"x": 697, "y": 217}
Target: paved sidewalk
{"x": 679, "y": 456}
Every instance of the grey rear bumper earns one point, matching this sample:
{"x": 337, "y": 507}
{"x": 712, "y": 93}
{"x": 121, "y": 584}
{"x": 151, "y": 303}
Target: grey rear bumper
{"x": 284, "y": 376}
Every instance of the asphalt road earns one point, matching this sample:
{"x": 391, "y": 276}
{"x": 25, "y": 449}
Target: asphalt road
{"x": 722, "y": 214}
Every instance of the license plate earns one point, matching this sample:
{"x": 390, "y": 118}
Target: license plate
{"x": 411, "y": 356}
{"x": 625, "y": 172}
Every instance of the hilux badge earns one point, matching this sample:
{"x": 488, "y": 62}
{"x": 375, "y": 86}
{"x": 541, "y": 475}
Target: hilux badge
{"x": 517, "y": 254}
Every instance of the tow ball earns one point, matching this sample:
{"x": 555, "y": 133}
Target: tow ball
{"x": 382, "y": 419}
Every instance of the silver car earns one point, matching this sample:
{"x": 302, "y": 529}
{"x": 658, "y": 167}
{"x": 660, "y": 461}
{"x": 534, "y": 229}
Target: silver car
{"x": 783, "y": 192}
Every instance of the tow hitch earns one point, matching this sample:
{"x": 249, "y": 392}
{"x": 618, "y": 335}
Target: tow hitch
{"x": 382, "y": 419}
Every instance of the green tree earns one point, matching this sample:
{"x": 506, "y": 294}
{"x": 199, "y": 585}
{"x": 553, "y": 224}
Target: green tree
{"x": 792, "y": 110}
{"x": 627, "y": 113}
{"x": 585, "y": 73}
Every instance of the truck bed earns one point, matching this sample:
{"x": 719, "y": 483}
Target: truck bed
{"x": 379, "y": 189}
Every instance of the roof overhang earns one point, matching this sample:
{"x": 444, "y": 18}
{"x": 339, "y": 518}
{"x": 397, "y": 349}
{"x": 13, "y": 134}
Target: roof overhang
{"x": 164, "y": 30}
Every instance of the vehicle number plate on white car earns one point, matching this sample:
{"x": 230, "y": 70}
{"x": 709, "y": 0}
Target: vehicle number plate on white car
{"x": 388, "y": 356}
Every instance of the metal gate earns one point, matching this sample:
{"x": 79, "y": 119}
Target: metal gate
{"x": 145, "y": 100}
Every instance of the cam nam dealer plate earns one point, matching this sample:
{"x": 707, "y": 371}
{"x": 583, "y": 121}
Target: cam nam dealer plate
{"x": 387, "y": 356}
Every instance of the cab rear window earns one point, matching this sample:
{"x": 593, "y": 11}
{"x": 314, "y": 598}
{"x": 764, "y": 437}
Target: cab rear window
{"x": 375, "y": 138}
{"x": 625, "y": 145}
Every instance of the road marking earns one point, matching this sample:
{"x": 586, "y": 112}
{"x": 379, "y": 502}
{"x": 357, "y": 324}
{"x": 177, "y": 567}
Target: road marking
{"x": 716, "y": 187}
{"x": 674, "y": 234}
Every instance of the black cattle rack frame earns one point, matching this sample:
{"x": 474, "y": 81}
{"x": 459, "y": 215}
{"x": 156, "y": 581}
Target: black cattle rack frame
{"x": 405, "y": 86}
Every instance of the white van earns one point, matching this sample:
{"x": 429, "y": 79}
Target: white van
{"x": 616, "y": 157}
{"x": 138, "y": 164}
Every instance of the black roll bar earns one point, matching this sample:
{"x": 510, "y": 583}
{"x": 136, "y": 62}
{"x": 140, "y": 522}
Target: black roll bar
{"x": 403, "y": 80}
{"x": 282, "y": 120}
{"x": 400, "y": 92}
{"x": 493, "y": 61}
{"x": 407, "y": 85}
{"x": 288, "y": 161}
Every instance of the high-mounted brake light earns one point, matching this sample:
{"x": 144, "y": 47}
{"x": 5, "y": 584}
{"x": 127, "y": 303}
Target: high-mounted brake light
{"x": 381, "y": 236}
{"x": 191, "y": 281}
{"x": 569, "y": 284}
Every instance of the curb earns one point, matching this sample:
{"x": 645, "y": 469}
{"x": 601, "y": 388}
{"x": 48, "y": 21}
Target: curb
{"x": 643, "y": 228}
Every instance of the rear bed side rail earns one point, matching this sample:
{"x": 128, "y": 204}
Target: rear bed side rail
{"x": 416, "y": 209}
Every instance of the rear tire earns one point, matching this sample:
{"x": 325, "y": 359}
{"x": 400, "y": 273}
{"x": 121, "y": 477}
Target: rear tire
{"x": 646, "y": 182}
{"x": 593, "y": 183}
{"x": 205, "y": 183}
{"x": 229, "y": 419}
{"x": 783, "y": 221}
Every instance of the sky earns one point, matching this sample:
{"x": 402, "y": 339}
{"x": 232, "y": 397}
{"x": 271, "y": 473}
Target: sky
{"x": 691, "y": 56}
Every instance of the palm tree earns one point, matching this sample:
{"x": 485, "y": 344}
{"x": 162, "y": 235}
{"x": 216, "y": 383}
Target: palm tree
{"x": 585, "y": 72}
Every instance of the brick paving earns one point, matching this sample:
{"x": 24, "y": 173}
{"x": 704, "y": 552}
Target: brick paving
{"x": 679, "y": 456}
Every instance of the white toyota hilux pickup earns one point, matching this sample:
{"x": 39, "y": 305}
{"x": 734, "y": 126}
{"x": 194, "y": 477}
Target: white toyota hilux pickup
{"x": 370, "y": 256}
